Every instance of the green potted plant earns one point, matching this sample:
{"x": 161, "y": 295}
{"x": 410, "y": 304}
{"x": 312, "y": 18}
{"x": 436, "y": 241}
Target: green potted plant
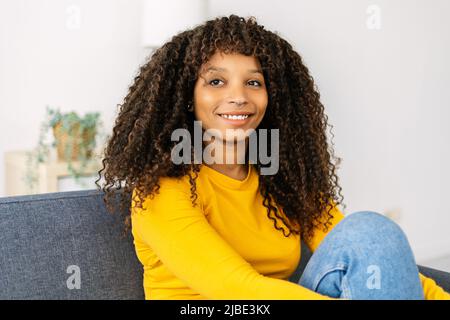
{"x": 74, "y": 140}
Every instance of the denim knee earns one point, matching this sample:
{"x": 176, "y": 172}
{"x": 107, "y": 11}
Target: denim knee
{"x": 364, "y": 246}
{"x": 367, "y": 216}
{"x": 371, "y": 225}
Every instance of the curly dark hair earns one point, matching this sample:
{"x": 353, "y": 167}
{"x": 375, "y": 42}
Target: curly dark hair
{"x": 138, "y": 153}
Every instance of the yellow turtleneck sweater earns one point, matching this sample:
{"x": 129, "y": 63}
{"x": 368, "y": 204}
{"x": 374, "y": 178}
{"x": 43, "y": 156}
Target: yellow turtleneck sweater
{"x": 224, "y": 248}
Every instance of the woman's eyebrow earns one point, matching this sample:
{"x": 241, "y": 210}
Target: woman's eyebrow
{"x": 225, "y": 70}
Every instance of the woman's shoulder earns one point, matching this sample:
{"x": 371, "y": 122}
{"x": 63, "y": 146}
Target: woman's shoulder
{"x": 170, "y": 191}
{"x": 168, "y": 184}
{"x": 178, "y": 183}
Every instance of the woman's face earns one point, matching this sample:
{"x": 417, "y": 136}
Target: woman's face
{"x": 230, "y": 93}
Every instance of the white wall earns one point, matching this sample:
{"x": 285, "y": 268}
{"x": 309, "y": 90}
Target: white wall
{"x": 384, "y": 90}
{"x": 386, "y": 95}
{"x": 48, "y": 58}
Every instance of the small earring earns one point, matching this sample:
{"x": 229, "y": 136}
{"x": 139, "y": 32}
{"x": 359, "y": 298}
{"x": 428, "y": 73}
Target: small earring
{"x": 190, "y": 108}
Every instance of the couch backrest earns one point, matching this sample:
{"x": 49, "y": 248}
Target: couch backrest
{"x": 65, "y": 245}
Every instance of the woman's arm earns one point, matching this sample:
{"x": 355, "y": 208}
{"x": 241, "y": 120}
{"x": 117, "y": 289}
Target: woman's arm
{"x": 193, "y": 251}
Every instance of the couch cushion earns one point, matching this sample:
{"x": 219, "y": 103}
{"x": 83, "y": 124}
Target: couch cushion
{"x": 50, "y": 241}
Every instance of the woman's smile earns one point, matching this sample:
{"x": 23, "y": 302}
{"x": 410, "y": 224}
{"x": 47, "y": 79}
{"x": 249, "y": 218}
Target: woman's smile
{"x": 236, "y": 118}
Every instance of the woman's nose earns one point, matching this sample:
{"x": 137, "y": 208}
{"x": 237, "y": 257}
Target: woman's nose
{"x": 237, "y": 95}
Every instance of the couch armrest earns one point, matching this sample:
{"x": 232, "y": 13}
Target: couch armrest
{"x": 442, "y": 278}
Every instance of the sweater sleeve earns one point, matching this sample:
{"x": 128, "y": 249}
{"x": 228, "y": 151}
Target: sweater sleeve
{"x": 431, "y": 290}
{"x": 182, "y": 238}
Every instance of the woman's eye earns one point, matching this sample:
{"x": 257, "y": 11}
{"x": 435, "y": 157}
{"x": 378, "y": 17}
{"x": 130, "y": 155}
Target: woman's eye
{"x": 259, "y": 83}
{"x": 211, "y": 82}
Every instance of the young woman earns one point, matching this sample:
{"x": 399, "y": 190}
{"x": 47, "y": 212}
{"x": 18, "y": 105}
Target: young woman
{"x": 230, "y": 228}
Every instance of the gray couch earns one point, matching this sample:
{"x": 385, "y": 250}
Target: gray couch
{"x": 66, "y": 245}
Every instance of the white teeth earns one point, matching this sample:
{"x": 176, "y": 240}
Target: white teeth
{"x": 235, "y": 117}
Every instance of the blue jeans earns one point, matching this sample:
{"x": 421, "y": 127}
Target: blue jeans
{"x": 366, "y": 256}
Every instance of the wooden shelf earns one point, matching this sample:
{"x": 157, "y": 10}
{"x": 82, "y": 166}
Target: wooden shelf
{"x": 49, "y": 173}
